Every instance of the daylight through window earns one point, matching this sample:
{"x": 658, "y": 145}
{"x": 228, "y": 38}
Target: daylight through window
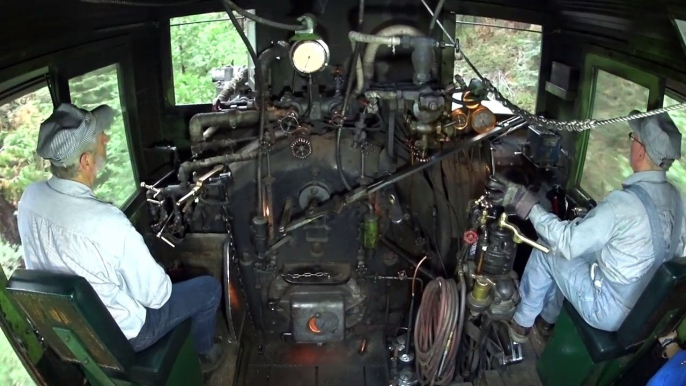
{"x": 506, "y": 52}
{"x": 677, "y": 173}
{"x": 116, "y": 183}
{"x": 199, "y": 44}
{"x": 607, "y": 157}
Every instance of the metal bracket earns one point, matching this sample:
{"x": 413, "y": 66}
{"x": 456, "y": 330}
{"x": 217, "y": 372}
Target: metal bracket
{"x": 92, "y": 370}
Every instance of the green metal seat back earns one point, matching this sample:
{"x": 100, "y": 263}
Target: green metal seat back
{"x": 57, "y": 300}
{"x": 663, "y": 300}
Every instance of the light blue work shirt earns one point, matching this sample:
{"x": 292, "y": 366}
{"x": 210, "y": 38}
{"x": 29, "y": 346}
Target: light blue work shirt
{"x": 65, "y": 228}
{"x": 616, "y": 233}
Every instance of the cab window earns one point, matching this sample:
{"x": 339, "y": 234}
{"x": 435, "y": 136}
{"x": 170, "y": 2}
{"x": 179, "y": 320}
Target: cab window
{"x": 117, "y": 183}
{"x": 200, "y": 46}
{"x": 607, "y": 156}
{"x": 506, "y": 52}
{"x": 677, "y": 173}
{"x": 20, "y": 118}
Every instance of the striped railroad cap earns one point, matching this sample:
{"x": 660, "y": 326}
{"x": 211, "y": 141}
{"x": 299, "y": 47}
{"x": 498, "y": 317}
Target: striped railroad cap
{"x": 660, "y": 136}
{"x": 69, "y": 130}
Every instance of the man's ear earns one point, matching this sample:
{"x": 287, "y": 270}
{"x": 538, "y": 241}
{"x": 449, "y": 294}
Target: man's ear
{"x": 86, "y": 161}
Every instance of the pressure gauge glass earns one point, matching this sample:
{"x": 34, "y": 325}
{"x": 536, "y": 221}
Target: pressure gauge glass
{"x": 483, "y": 120}
{"x": 309, "y": 56}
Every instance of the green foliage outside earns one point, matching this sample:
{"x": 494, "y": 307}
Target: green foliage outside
{"x": 196, "y": 49}
{"x": 200, "y": 43}
{"x": 509, "y": 57}
{"x": 19, "y": 166}
{"x": 607, "y": 162}
{"x": 116, "y": 183}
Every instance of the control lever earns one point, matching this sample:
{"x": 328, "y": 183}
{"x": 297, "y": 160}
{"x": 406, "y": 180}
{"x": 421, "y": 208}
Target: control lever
{"x": 159, "y": 234}
{"x": 518, "y": 236}
{"x": 199, "y": 184}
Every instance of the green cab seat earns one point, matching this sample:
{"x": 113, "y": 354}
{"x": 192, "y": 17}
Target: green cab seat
{"x": 658, "y": 310}
{"x": 69, "y": 316}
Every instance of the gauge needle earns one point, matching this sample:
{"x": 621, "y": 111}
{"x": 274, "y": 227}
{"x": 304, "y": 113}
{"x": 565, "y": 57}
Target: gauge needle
{"x": 307, "y": 61}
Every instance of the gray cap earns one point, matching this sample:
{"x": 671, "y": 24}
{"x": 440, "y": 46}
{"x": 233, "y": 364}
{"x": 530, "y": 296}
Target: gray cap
{"x": 69, "y": 130}
{"x": 660, "y": 136}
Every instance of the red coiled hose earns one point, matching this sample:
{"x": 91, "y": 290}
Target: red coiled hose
{"x": 436, "y": 335}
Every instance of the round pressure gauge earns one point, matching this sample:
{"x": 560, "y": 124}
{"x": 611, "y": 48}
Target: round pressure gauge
{"x": 459, "y": 119}
{"x": 482, "y": 120}
{"x": 309, "y": 56}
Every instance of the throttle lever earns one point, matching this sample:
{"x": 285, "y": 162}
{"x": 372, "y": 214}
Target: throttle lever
{"x": 199, "y": 184}
{"x": 518, "y": 236}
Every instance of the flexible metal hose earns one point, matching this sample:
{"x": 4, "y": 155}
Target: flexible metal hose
{"x": 259, "y": 79}
{"x": 435, "y": 334}
{"x": 261, "y": 20}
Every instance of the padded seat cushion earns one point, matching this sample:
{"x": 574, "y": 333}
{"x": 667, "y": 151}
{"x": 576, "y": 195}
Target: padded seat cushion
{"x": 153, "y": 365}
{"x": 601, "y": 345}
{"x": 664, "y": 295}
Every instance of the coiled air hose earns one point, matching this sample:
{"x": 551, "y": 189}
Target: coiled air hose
{"x": 436, "y": 332}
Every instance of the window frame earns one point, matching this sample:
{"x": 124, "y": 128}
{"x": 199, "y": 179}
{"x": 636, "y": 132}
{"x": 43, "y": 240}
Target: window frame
{"x": 167, "y": 65}
{"x": 121, "y": 57}
{"x": 542, "y": 71}
{"x": 595, "y": 62}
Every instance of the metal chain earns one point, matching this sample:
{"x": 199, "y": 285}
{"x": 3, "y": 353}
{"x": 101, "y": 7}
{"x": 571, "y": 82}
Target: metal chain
{"x": 541, "y": 122}
{"x": 574, "y": 125}
{"x": 307, "y": 275}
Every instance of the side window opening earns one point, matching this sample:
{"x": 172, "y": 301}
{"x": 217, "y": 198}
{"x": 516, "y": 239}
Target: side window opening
{"x": 198, "y": 73}
{"x": 117, "y": 183}
{"x": 607, "y": 156}
{"x": 677, "y": 173}
{"x": 506, "y": 52}
{"x": 20, "y": 119}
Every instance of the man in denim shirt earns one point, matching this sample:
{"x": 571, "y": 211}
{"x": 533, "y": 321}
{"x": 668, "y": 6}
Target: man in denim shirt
{"x": 602, "y": 263}
{"x": 65, "y": 228}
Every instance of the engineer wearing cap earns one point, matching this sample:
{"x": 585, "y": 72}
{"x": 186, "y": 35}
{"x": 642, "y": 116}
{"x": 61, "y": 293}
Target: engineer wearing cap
{"x": 65, "y": 228}
{"x": 602, "y": 263}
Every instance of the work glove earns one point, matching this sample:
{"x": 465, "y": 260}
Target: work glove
{"x": 510, "y": 195}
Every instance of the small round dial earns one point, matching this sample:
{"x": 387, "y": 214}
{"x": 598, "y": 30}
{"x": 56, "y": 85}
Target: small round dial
{"x": 459, "y": 119}
{"x": 483, "y": 120}
{"x": 309, "y": 56}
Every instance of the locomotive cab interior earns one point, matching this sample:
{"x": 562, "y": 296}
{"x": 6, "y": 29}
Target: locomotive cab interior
{"x": 329, "y": 163}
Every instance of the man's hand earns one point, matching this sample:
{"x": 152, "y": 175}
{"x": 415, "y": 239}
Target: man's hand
{"x": 510, "y": 195}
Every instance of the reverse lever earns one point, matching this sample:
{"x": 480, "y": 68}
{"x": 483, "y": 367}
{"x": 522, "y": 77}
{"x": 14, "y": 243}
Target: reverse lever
{"x": 518, "y": 236}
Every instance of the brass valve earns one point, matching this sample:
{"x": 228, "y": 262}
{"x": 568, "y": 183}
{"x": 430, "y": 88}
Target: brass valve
{"x": 518, "y": 236}
{"x": 199, "y": 184}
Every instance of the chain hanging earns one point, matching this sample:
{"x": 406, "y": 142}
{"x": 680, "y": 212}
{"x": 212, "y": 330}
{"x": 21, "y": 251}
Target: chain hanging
{"x": 541, "y": 122}
{"x": 307, "y": 275}
{"x": 574, "y": 125}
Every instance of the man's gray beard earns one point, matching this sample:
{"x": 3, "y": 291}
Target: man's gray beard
{"x": 100, "y": 163}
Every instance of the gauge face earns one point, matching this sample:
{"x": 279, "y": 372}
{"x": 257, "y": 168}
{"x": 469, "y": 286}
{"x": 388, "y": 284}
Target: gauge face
{"x": 483, "y": 120}
{"x": 459, "y": 119}
{"x": 310, "y": 56}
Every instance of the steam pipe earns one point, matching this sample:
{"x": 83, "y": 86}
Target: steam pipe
{"x": 346, "y": 99}
{"x": 188, "y": 167}
{"x": 232, "y": 118}
{"x": 267, "y": 56}
{"x": 259, "y": 78}
{"x": 387, "y": 36}
{"x": 261, "y": 20}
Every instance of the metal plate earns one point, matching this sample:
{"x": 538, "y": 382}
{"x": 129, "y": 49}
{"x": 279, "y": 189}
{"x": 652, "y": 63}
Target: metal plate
{"x": 326, "y": 311}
